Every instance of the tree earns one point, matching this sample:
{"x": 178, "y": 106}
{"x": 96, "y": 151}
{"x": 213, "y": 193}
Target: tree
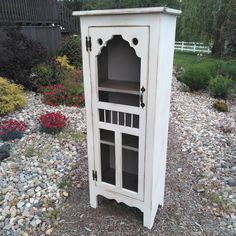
{"x": 211, "y": 21}
{"x": 113, "y": 4}
{"x": 74, "y": 5}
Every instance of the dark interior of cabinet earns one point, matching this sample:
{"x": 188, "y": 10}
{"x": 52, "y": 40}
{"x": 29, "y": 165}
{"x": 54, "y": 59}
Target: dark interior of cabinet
{"x": 119, "y": 73}
{"x": 108, "y": 163}
{"x": 130, "y": 144}
{"x": 119, "y": 98}
{"x": 130, "y": 169}
{"x": 107, "y": 138}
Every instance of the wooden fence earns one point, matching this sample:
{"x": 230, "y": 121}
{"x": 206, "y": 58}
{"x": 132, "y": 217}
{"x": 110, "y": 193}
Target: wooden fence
{"x": 192, "y": 47}
{"x": 29, "y": 11}
{"x": 68, "y": 22}
{"x": 38, "y": 12}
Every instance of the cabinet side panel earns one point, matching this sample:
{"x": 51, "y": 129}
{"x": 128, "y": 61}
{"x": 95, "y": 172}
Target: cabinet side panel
{"x": 164, "y": 79}
{"x": 151, "y": 105}
{"x": 88, "y": 105}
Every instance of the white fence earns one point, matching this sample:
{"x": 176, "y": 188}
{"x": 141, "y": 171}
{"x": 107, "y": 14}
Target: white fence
{"x": 192, "y": 47}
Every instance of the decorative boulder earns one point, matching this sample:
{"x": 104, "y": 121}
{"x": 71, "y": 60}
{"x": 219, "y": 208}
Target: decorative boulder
{"x": 5, "y": 151}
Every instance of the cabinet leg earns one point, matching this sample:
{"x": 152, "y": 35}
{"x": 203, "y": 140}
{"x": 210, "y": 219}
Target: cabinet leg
{"x": 94, "y": 201}
{"x": 148, "y": 218}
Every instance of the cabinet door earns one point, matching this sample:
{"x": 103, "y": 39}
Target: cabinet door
{"x": 119, "y": 70}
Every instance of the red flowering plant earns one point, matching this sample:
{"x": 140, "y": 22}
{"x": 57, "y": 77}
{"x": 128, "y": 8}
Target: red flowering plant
{"x": 70, "y": 92}
{"x": 53, "y": 122}
{"x": 12, "y": 129}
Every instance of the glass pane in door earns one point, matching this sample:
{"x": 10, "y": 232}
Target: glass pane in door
{"x": 108, "y": 156}
{"x": 130, "y": 162}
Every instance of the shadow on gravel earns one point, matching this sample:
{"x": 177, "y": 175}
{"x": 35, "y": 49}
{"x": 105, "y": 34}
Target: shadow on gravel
{"x": 184, "y": 213}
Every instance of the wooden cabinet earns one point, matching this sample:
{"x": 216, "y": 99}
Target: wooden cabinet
{"x": 127, "y": 65}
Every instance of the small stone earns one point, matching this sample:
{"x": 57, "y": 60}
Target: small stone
{"x": 30, "y": 192}
{"x": 5, "y": 151}
{"x": 13, "y": 211}
{"x": 231, "y": 182}
{"x": 20, "y": 204}
{"x": 38, "y": 189}
{"x": 25, "y": 234}
{"x": 200, "y": 190}
{"x": 233, "y": 169}
{"x": 50, "y": 172}
{"x": 200, "y": 150}
{"x": 28, "y": 205}
{"x": 49, "y": 231}
{"x": 35, "y": 222}
{"x": 65, "y": 194}
{"x": 5, "y": 190}
{"x": 179, "y": 169}
{"x": 26, "y": 213}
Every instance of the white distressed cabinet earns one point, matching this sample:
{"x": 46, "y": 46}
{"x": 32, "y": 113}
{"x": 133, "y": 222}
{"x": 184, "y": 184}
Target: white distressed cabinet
{"x": 127, "y": 65}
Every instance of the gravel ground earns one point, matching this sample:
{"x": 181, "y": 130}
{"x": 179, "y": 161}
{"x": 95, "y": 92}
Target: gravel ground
{"x": 44, "y": 184}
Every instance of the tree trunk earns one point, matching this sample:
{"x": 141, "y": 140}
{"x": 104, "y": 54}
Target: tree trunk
{"x": 218, "y": 45}
{"x": 218, "y": 35}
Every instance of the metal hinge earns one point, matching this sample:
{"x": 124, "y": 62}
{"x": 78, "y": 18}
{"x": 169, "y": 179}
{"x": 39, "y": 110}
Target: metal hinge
{"x": 88, "y": 44}
{"x": 95, "y": 177}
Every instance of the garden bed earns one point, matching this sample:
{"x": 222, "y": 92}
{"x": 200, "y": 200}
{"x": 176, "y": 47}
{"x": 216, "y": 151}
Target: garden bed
{"x": 32, "y": 177}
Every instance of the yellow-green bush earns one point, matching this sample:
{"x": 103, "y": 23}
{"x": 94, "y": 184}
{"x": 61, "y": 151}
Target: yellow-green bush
{"x": 11, "y": 97}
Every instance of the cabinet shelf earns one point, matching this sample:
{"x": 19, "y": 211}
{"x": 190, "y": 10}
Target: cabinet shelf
{"x": 123, "y": 146}
{"x": 119, "y": 87}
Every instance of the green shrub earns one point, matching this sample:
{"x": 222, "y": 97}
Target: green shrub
{"x": 11, "y": 97}
{"x": 51, "y": 73}
{"x": 221, "y": 87}
{"x": 71, "y": 47}
{"x": 221, "y": 106}
{"x": 47, "y": 74}
{"x": 229, "y": 70}
{"x": 214, "y": 67}
{"x": 22, "y": 55}
{"x": 197, "y": 76}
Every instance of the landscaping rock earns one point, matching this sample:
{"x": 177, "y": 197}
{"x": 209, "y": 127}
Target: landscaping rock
{"x": 5, "y": 150}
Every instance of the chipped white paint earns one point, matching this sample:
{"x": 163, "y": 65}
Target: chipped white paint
{"x": 155, "y": 30}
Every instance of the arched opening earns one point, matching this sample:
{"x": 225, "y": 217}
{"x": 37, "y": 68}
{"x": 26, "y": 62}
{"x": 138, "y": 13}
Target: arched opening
{"x": 119, "y": 73}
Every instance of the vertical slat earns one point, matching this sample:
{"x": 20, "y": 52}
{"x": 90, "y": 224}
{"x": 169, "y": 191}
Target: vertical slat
{"x": 7, "y": 17}
{"x": 25, "y": 10}
{"x": 14, "y": 10}
{"x": 118, "y": 159}
{"x": 132, "y": 120}
{"x": 125, "y": 119}
{"x": 117, "y": 118}
{"x": 20, "y": 11}
{"x": 2, "y": 10}
{"x": 105, "y": 116}
{"x": 111, "y": 117}
{"x": 9, "y": 2}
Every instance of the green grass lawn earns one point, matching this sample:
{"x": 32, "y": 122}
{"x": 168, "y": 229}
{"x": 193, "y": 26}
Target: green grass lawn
{"x": 185, "y": 59}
